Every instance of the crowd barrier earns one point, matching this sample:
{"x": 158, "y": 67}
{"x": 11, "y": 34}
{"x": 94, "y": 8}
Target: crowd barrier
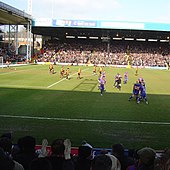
{"x": 96, "y": 151}
{"x": 81, "y": 64}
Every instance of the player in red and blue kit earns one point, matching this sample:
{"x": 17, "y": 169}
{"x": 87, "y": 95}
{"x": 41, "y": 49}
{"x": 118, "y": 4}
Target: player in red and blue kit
{"x": 141, "y": 81}
{"x": 143, "y": 94}
{"x": 125, "y": 77}
{"x": 102, "y": 82}
{"x": 135, "y": 92}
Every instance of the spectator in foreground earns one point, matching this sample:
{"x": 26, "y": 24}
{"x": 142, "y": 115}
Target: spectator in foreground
{"x": 102, "y": 162}
{"x": 40, "y": 164}
{"x": 146, "y": 158}
{"x": 60, "y": 158}
{"x": 6, "y": 161}
{"x": 27, "y": 151}
{"x": 163, "y": 162}
{"x": 84, "y": 158}
{"x": 106, "y": 162}
{"x": 118, "y": 152}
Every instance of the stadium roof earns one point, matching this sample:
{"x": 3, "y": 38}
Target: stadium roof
{"x": 12, "y": 16}
{"x": 62, "y": 32}
{"x": 61, "y": 28}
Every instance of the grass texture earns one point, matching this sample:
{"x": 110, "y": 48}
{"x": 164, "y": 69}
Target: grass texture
{"x": 37, "y": 103}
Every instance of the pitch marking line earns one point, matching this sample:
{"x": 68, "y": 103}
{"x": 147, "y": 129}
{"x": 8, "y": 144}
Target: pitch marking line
{"x": 85, "y": 120}
{"x": 64, "y": 79}
{"x": 15, "y": 71}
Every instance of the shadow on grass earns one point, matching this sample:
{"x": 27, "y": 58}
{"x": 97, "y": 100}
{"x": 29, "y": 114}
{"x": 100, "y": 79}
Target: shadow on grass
{"x": 77, "y": 107}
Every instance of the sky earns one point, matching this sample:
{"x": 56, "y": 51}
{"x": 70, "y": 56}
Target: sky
{"x": 157, "y": 11}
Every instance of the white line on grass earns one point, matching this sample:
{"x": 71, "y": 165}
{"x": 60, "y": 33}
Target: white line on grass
{"x": 64, "y": 79}
{"x": 85, "y": 120}
{"x": 15, "y": 71}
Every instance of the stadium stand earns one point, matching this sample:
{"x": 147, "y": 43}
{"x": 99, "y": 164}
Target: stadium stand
{"x": 139, "y": 54}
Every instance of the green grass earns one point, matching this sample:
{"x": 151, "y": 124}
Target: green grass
{"x": 27, "y": 91}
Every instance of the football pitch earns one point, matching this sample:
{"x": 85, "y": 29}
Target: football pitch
{"x": 37, "y": 103}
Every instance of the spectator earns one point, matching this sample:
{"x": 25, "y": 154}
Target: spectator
{"x": 115, "y": 162}
{"x": 60, "y": 157}
{"x": 163, "y": 161}
{"x": 106, "y": 162}
{"x": 84, "y": 158}
{"x": 146, "y": 158}
{"x": 40, "y": 164}
{"x": 6, "y": 160}
{"x": 27, "y": 151}
{"x": 118, "y": 152}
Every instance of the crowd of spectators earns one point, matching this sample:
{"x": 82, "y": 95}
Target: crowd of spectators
{"x": 152, "y": 54}
{"x": 11, "y": 56}
{"x": 23, "y": 156}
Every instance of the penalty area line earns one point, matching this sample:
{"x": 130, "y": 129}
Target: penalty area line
{"x": 85, "y": 120}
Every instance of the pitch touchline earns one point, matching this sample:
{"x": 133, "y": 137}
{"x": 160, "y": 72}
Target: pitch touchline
{"x": 64, "y": 79}
{"x": 85, "y": 120}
